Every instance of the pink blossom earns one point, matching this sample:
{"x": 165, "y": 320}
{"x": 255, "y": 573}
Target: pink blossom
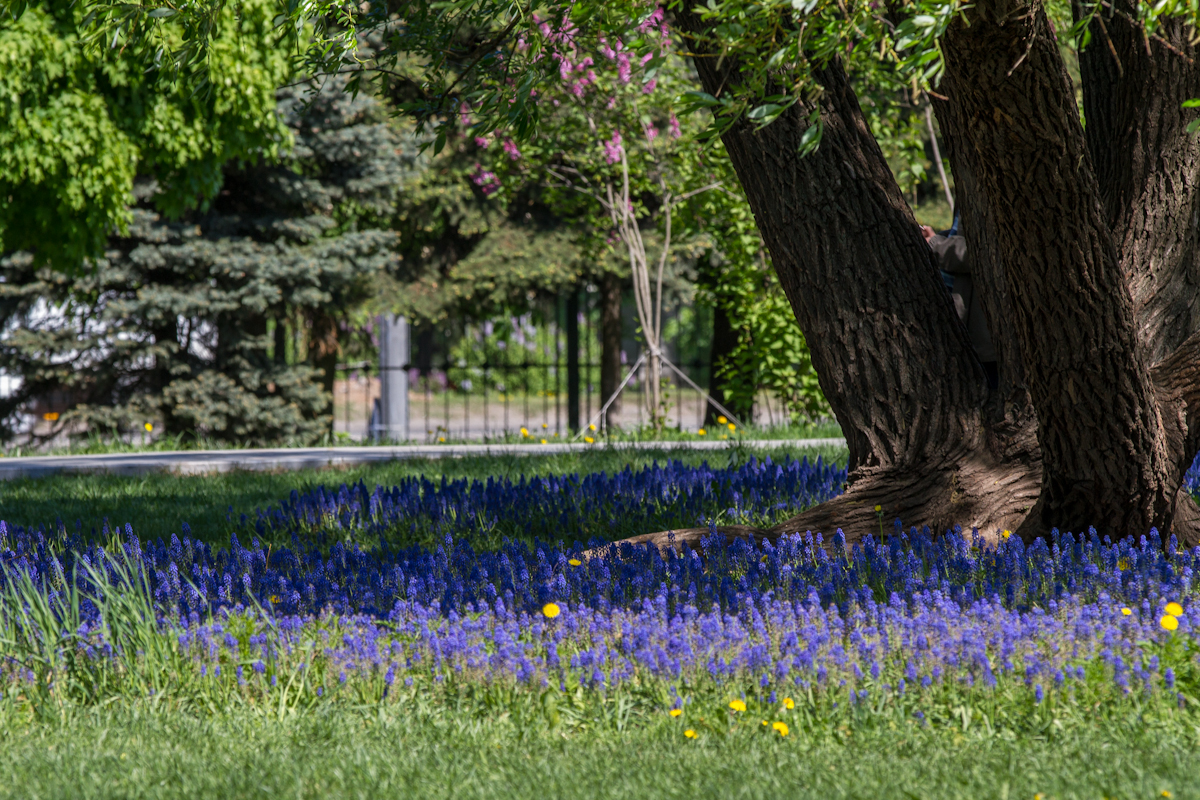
{"x": 481, "y": 141}
{"x": 652, "y": 20}
{"x": 464, "y": 114}
{"x": 646, "y": 58}
{"x": 485, "y": 180}
{"x": 510, "y": 148}
{"x": 582, "y": 65}
{"x": 612, "y": 103}
{"x": 612, "y": 148}
{"x": 564, "y": 68}
{"x": 674, "y": 126}
{"x": 650, "y": 86}
{"x": 651, "y": 132}
{"x": 623, "y": 69}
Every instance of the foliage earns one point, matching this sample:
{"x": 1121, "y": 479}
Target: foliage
{"x": 619, "y": 747}
{"x": 171, "y": 327}
{"x": 80, "y": 123}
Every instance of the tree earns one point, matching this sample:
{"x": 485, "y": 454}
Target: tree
{"x": 171, "y": 326}
{"x": 79, "y": 125}
{"x": 1082, "y": 244}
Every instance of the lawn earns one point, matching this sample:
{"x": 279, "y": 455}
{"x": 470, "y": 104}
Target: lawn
{"x": 447, "y": 635}
{"x": 212, "y": 505}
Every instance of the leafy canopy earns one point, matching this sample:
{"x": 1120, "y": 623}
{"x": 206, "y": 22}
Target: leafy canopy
{"x": 487, "y": 52}
{"x": 79, "y": 123}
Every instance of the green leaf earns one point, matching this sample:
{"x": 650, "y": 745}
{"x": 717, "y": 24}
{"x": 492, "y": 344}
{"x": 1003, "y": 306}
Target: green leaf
{"x": 1193, "y": 103}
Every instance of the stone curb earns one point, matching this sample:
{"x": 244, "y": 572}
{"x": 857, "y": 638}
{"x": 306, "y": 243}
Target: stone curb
{"x": 199, "y": 462}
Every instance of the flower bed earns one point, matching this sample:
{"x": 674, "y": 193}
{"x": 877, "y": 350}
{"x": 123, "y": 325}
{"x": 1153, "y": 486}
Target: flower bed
{"x": 883, "y": 626}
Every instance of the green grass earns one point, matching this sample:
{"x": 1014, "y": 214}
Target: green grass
{"x": 95, "y": 444}
{"x": 387, "y": 751}
{"x": 158, "y": 504}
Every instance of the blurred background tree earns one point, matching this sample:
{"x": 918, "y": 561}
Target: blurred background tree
{"x": 243, "y": 242}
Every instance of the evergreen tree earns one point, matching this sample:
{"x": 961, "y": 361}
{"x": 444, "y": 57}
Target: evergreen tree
{"x": 224, "y": 322}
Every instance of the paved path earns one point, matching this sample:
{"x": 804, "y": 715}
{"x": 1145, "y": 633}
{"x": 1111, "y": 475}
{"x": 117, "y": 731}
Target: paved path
{"x": 194, "y": 462}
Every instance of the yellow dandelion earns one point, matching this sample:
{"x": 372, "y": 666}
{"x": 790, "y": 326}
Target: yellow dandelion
{"x": 1169, "y": 622}
{"x": 1165, "y": 793}
{"x": 574, "y": 562}
{"x": 275, "y": 598}
{"x": 441, "y": 438}
{"x": 1174, "y": 609}
{"x": 1127, "y": 611}
{"x": 543, "y": 441}
{"x": 551, "y": 610}
{"x": 1123, "y": 564}
{"x": 701, "y": 432}
{"x": 1038, "y": 796}
{"x": 722, "y": 420}
{"x": 788, "y": 703}
{"x": 524, "y": 432}
{"x": 675, "y": 712}
{"x": 589, "y": 439}
{"x": 764, "y": 723}
{"x": 781, "y": 727}
{"x": 732, "y": 427}
{"x": 737, "y": 705}
{"x": 544, "y": 426}
{"x": 878, "y": 508}
{"x": 148, "y": 427}
{"x": 1005, "y": 534}
{"x": 50, "y": 416}
{"x": 591, "y": 427}
{"x": 689, "y": 733}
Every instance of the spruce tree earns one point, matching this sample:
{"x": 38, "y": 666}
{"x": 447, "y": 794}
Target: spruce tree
{"x": 224, "y": 322}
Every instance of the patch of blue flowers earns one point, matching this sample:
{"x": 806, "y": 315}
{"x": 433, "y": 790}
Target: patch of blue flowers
{"x": 556, "y": 507}
{"x": 887, "y": 617}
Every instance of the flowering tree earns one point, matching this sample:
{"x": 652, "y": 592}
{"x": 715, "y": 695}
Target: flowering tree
{"x": 610, "y": 147}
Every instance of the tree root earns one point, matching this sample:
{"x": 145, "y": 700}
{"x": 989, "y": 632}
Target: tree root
{"x": 973, "y": 493}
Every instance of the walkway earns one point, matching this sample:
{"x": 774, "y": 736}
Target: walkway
{"x": 195, "y": 462}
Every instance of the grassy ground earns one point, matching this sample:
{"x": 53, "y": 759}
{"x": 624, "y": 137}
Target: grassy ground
{"x": 98, "y": 445}
{"x": 158, "y": 504}
{"x": 387, "y": 752}
{"x": 431, "y": 744}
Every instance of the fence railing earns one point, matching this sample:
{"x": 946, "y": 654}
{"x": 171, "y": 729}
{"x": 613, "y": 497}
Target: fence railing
{"x": 441, "y": 408}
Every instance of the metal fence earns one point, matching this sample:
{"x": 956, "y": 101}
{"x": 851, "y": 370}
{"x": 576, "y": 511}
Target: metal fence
{"x": 515, "y": 378}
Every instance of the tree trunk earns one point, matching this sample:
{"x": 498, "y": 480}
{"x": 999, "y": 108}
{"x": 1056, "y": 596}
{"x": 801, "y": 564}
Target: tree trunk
{"x": 1091, "y": 279}
{"x": 893, "y": 359}
{"x": 724, "y": 341}
{"x": 1148, "y": 168}
{"x": 323, "y": 349}
{"x": 1110, "y": 453}
{"x": 610, "y": 344}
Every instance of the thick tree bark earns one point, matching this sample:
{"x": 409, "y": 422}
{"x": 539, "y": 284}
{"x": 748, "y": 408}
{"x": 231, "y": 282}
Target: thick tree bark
{"x": 892, "y": 356}
{"x": 1148, "y": 167}
{"x": 1110, "y": 454}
